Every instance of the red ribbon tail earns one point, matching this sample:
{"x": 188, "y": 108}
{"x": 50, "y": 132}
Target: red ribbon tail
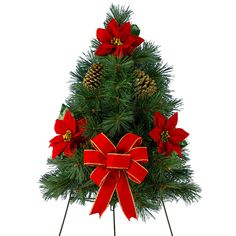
{"x": 105, "y": 193}
{"x": 125, "y": 197}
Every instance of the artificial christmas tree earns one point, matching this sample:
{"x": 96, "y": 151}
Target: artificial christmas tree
{"x": 117, "y": 139}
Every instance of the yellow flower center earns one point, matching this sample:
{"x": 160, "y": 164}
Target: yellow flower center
{"x": 116, "y": 42}
{"x": 67, "y": 136}
{"x": 165, "y": 136}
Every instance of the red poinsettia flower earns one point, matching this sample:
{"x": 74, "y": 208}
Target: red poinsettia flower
{"x": 117, "y": 40}
{"x": 167, "y": 136}
{"x": 70, "y": 134}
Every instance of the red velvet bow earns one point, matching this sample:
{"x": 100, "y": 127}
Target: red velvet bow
{"x": 114, "y": 165}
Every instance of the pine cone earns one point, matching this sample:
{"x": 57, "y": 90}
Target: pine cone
{"x": 144, "y": 86}
{"x": 92, "y": 78}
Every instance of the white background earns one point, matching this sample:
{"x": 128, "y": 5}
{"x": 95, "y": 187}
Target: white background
{"x": 40, "y": 42}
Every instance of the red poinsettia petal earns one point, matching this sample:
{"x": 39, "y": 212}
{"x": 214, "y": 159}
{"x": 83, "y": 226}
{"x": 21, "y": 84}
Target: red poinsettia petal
{"x": 131, "y": 43}
{"x": 60, "y": 127}
{"x": 127, "y": 50}
{"x": 118, "y": 51}
{"x": 128, "y": 44}
{"x": 58, "y": 149}
{"x": 70, "y": 149}
{"x": 82, "y": 122}
{"x": 159, "y": 120}
{"x": 173, "y": 147}
{"x": 103, "y": 36}
{"x": 104, "y": 49}
{"x": 177, "y": 135}
{"x": 160, "y": 147}
{"x": 70, "y": 121}
{"x": 77, "y": 135}
{"x": 81, "y": 125}
{"x": 171, "y": 122}
{"x": 55, "y": 140}
{"x": 124, "y": 32}
{"x": 113, "y": 28}
{"x": 168, "y": 148}
{"x": 138, "y": 41}
{"x": 127, "y": 47}
{"x": 155, "y": 134}
{"x": 134, "y": 40}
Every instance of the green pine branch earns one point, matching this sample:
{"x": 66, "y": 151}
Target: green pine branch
{"x": 119, "y": 13}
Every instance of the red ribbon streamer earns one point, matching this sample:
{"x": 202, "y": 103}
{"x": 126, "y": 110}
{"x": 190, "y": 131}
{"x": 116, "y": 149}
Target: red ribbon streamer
{"x": 114, "y": 165}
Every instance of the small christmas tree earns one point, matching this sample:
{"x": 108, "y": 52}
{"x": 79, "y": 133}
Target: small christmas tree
{"x": 117, "y": 140}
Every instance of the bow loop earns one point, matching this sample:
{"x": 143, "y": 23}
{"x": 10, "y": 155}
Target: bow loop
{"x": 102, "y": 143}
{"x": 128, "y": 142}
{"x": 94, "y": 157}
{"x": 139, "y": 154}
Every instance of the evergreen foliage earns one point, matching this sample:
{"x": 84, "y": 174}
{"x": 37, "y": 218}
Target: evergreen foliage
{"x": 113, "y": 108}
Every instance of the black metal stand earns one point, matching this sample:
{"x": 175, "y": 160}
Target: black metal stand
{"x": 63, "y": 221}
{"x": 167, "y": 218}
{"x": 114, "y": 219}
